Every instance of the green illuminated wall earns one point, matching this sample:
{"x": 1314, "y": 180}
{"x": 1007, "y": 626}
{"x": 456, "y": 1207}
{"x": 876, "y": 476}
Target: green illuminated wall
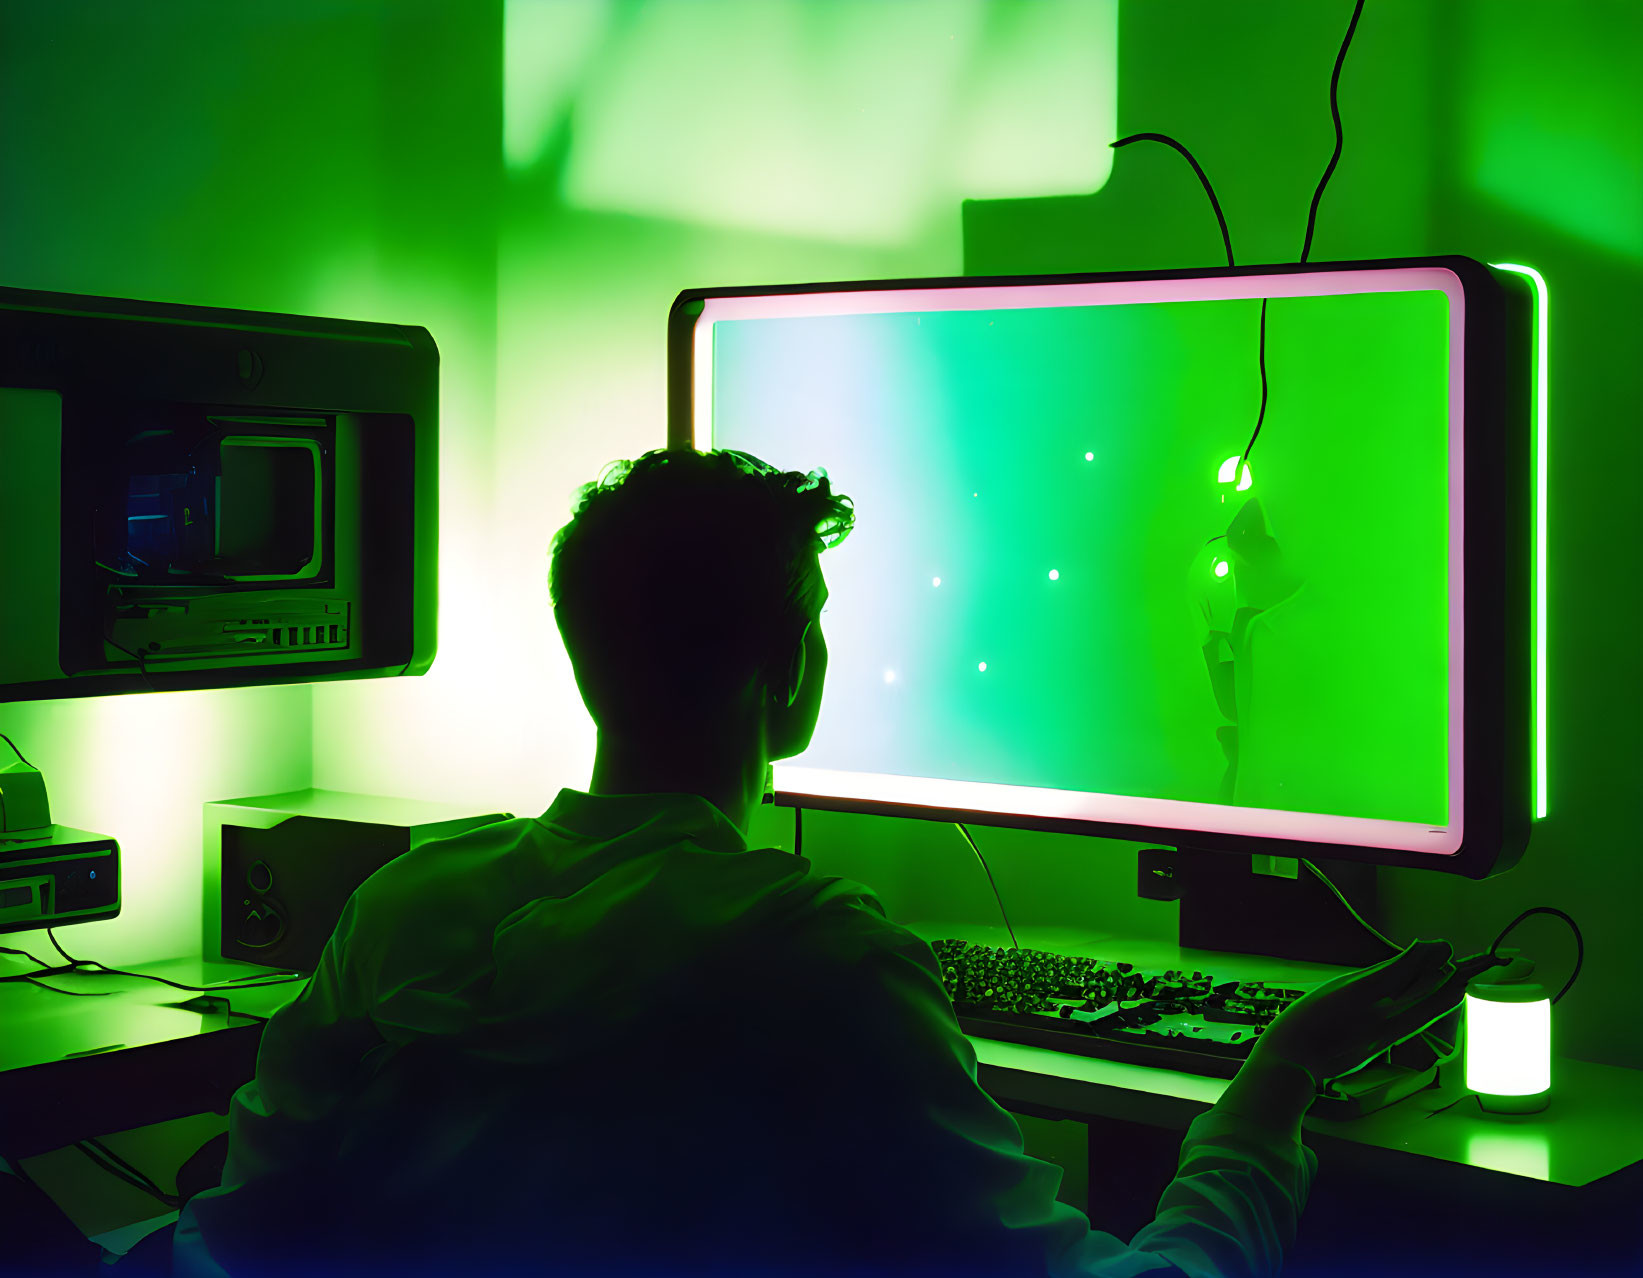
{"x": 308, "y": 156}
{"x": 536, "y": 181}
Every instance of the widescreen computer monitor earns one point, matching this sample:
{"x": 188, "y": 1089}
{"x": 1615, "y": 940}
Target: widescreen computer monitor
{"x": 1077, "y": 598}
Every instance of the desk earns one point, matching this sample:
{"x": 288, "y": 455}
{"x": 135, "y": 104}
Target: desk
{"x": 75, "y": 1068}
{"x": 1592, "y": 1129}
{"x": 1471, "y": 1192}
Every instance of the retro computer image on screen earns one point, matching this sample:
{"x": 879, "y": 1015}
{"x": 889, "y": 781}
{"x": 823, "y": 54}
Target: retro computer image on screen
{"x": 1080, "y": 596}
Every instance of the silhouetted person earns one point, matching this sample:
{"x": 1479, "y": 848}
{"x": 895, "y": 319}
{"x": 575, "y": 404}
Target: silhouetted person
{"x": 616, "y": 1040}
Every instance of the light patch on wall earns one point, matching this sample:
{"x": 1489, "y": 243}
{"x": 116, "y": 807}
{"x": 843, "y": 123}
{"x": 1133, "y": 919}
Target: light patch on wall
{"x": 389, "y": 736}
{"x": 142, "y": 788}
{"x": 1043, "y": 103}
{"x": 547, "y": 44}
{"x": 442, "y": 734}
{"x": 137, "y": 768}
{"x": 856, "y": 121}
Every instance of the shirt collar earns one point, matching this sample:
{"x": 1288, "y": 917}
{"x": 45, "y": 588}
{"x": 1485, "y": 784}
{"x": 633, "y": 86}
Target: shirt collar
{"x": 604, "y": 817}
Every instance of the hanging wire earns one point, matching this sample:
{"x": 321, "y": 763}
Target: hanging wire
{"x": 1312, "y": 213}
{"x": 1335, "y": 114}
{"x": 16, "y": 751}
{"x": 996, "y": 894}
{"x": 1226, "y": 235}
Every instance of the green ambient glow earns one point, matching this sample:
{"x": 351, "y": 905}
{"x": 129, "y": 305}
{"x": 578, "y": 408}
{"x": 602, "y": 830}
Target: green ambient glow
{"x": 1508, "y": 1047}
{"x": 848, "y": 123}
{"x": 1536, "y": 279}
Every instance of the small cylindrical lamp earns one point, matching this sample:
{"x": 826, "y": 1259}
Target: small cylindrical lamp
{"x": 1509, "y": 1039}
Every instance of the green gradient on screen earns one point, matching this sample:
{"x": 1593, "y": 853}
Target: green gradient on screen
{"x": 962, "y": 437}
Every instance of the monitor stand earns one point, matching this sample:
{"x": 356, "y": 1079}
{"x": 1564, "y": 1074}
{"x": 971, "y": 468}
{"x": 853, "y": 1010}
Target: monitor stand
{"x": 1227, "y": 905}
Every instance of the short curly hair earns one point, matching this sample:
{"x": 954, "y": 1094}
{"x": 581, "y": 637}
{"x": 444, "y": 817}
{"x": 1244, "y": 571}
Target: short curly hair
{"x": 683, "y": 575}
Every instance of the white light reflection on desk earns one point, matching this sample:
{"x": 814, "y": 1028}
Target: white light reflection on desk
{"x": 1517, "y": 1151}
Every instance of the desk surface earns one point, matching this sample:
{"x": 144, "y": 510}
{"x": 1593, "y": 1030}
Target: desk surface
{"x": 112, "y": 1013}
{"x": 1593, "y": 1127}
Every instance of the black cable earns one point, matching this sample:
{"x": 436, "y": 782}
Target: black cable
{"x": 1580, "y": 944}
{"x": 996, "y": 895}
{"x": 15, "y": 750}
{"x": 1453, "y": 1103}
{"x": 71, "y": 993}
{"x": 1238, "y": 473}
{"x": 147, "y": 1181}
{"x": 1312, "y": 213}
{"x": 75, "y": 965}
{"x": 152, "y": 1185}
{"x": 1341, "y": 897}
{"x": 142, "y": 666}
{"x": 1335, "y": 114}
{"x": 117, "y": 1166}
{"x": 31, "y": 977}
{"x": 1226, "y": 236}
{"x": 1226, "y": 239}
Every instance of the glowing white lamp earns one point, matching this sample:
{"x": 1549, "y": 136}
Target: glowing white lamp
{"x": 1229, "y": 469}
{"x": 1509, "y": 1041}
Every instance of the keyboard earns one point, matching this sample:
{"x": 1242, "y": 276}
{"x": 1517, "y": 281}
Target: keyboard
{"x": 1095, "y": 1007}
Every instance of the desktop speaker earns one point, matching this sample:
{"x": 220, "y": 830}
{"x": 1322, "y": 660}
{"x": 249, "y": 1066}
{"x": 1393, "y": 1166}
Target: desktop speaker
{"x": 279, "y": 868}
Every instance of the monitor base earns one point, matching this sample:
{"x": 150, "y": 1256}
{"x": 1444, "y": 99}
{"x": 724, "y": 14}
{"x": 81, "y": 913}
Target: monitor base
{"x": 1226, "y": 906}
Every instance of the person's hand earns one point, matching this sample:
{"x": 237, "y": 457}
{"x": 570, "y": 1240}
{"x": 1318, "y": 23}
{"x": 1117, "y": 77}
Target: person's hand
{"x": 1346, "y": 1022}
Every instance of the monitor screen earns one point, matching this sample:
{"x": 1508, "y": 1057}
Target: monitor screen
{"x": 204, "y": 504}
{"x": 1071, "y": 595}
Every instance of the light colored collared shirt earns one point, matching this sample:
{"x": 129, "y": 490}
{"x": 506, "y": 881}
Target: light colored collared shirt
{"x": 615, "y": 1040}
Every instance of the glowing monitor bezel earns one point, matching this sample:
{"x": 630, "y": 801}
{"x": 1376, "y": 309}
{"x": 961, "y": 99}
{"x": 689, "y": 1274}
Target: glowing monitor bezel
{"x": 1489, "y": 332}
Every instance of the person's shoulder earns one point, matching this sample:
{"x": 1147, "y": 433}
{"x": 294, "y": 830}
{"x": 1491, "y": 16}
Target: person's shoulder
{"x": 503, "y": 831}
{"x": 845, "y": 909}
{"x": 439, "y": 869}
{"x": 847, "y": 926}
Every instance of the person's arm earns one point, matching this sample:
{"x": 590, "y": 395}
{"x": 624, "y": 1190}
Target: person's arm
{"x": 942, "y": 1177}
{"x": 282, "y": 1124}
{"x": 307, "y": 1063}
{"x": 963, "y": 1174}
{"x": 1273, "y": 1093}
{"x": 1234, "y": 1206}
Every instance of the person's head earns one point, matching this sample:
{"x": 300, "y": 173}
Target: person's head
{"x": 687, "y": 589}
